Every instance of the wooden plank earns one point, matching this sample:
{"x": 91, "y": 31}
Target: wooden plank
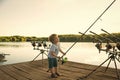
{"x": 5, "y": 76}
{"x": 36, "y": 72}
{"x": 63, "y": 77}
{"x": 84, "y": 69}
{"x": 12, "y": 73}
{"x": 69, "y": 71}
{"x": 80, "y": 71}
{"x": 33, "y": 74}
{"x": 20, "y": 72}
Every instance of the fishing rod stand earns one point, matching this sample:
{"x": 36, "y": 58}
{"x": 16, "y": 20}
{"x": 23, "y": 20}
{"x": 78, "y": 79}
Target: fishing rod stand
{"x": 112, "y": 57}
{"x": 42, "y": 47}
{"x": 42, "y": 52}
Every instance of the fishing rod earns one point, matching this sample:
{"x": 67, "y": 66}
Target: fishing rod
{"x": 89, "y": 27}
{"x": 101, "y": 36}
{"x": 99, "y": 42}
{"x": 118, "y": 43}
{"x": 113, "y": 55}
{"x": 93, "y": 38}
{"x": 110, "y": 34}
{"x": 108, "y": 46}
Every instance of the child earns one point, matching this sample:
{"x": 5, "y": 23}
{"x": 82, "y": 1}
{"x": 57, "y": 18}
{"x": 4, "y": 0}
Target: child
{"x": 52, "y": 55}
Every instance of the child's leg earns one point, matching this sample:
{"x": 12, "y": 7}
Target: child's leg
{"x": 55, "y": 67}
{"x": 50, "y": 62}
{"x": 51, "y": 67}
{"x": 52, "y": 70}
{"x": 53, "y": 74}
{"x": 56, "y": 70}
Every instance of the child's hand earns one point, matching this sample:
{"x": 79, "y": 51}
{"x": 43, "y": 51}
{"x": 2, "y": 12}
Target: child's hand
{"x": 58, "y": 57}
{"x": 64, "y": 53}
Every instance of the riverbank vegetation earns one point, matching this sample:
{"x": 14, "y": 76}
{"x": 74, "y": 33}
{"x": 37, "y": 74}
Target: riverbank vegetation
{"x": 63, "y": 38}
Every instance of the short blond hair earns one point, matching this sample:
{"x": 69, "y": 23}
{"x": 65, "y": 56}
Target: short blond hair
{"x": 52, "y": 37}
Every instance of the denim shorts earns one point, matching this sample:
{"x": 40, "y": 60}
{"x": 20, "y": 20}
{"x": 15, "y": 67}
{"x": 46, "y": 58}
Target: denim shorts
{"x": 52, "y": 62}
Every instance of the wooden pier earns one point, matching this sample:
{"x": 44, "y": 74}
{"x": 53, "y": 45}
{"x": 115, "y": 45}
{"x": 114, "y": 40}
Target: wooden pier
{"x": 70, "y": 71}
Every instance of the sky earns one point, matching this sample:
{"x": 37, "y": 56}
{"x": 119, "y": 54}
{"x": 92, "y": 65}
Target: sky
{"x": 42, "y": 18}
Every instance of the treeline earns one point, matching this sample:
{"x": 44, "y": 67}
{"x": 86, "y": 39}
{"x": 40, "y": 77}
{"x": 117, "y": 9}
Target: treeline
{"x": 21, "y": 39}
{"x": 90, "y": 38}
{"x": 63, "y": 38}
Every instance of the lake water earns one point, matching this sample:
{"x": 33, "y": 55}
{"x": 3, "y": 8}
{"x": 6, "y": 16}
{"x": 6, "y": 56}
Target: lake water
{"x": 81, "y": 52}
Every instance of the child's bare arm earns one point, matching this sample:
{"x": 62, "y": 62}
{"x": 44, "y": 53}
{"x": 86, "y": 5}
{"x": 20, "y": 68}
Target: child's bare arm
{"x": 53, "y": 54}
{"x": 62, "y": 52}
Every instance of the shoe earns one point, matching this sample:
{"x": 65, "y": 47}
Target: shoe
{"x": 57, "y": 74}
{"x": 53, "y": 76}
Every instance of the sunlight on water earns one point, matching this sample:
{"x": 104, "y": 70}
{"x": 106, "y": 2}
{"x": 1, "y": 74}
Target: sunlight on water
{"x": 81, "y": 52}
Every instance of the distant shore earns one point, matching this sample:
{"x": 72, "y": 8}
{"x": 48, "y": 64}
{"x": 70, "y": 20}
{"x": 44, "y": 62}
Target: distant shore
{"x": 63, "y": 38}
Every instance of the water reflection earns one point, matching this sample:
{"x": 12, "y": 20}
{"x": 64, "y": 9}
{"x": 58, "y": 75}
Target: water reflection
{"x": 4, "y": 48}
{"x": 10, "y": 45}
